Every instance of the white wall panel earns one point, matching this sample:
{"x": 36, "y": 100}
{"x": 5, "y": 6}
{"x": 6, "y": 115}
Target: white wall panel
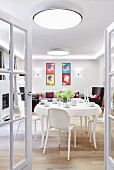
{"x": 89, "y": 75}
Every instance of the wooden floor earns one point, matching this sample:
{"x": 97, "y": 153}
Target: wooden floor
{"x": 85, "y": 157}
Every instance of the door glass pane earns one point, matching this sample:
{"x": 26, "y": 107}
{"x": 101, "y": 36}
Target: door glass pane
{"x": 112, "y": 52}
{"x": 19, "y": 49}
{"x": 19, "y": 95}
{"x": 112, "y": 138}
{"x": 4, "y": 97}
{"x": 112, "y": 94}
{"x": 19, "y": 109}
{"x": 4, "y": 44}
{"x": 19, "y": 141}
{"x": 5, "y": 147}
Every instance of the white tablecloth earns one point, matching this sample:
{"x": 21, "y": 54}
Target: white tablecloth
{"x": 81, "y": 109}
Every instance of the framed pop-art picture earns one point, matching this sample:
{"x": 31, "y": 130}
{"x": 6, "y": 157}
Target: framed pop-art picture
{"x": 50, "y": 79}
{"x": 66, "y": 73}
{"x": 65, "y": 79}
{"x": 66, "y": 68}
{"x": 50, "y": 73}
{"x": 50, "y": 68}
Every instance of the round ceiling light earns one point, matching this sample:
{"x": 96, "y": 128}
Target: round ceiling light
{"x": 57, "y": 18}
{"x": 57, "y": 52}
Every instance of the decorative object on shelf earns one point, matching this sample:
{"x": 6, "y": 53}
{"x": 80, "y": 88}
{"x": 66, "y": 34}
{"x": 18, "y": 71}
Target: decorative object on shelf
{"x": 65, "y": 94}
{"x": 66, "y": 72}
{"x": 50, "y": 73}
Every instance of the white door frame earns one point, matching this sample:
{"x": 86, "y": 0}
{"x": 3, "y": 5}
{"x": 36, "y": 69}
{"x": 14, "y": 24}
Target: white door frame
{"x": 27, "y": 162}
{"x": 109, "y": 162}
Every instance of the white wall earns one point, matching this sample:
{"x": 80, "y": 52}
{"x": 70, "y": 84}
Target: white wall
{"x": 92, "y": 74}
{"x": 89, "y": 78}
{"x": 101, "y": 68}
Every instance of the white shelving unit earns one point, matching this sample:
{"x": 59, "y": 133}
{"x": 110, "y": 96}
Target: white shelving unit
{"x": 4, "y": 89}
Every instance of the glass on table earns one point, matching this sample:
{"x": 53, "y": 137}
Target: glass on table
{"x": 59, "y": 103}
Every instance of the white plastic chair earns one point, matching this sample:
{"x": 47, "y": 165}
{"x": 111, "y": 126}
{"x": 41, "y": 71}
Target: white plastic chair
{"x": 35, "y": 118}
{"x": 59, "y": 119}
{"x": 92, "y": 129}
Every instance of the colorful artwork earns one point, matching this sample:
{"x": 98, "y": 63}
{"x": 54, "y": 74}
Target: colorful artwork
{"x": 50, "y": 68}
{"x": 66, "y": 68}
{"x": 66, "y": 72}
{"x": 50, "y": 73}
{"x": 65, "y": 79}
{"x": 50, "y": 79}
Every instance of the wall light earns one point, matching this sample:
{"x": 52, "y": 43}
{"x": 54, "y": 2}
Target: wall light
{"x": 58, "y": 52}
{"x": 78, "y": 72}
{"x": 57, "y": 18}
{"x": 38, "y": 74}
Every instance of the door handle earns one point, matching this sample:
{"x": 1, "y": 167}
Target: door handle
{"x": 30, "y": 93}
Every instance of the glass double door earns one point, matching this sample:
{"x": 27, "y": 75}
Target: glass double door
{"x": 109, "y": 98}
{"x": 15, "y": 94}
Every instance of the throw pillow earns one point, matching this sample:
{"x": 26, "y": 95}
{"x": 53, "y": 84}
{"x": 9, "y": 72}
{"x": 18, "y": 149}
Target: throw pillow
{"x": 96, "y": 96}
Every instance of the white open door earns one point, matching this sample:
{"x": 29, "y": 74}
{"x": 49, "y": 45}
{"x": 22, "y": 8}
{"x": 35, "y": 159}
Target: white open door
{"x": 15, "y": 89}
{"x": 109, "y": 98}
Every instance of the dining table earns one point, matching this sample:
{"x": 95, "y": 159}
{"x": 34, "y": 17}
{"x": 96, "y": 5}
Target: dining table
{"x": 81, "y": 109}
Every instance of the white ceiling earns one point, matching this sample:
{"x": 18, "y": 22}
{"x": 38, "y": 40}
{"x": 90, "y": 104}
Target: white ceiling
{"x": 85, "y": 41}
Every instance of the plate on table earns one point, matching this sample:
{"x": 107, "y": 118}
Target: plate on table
{"x": 54, "y": 102}
{"x": 81, "y": 101}
{"x": 66, "y": 106}
{"x": 91, "y": 106}
{"x": 73, "y": 104}
{"x": 41, "y": 103}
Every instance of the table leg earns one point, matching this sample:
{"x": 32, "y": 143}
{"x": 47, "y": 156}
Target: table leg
{"x": 81, "y": 123}
{"x": 86, "y": 123}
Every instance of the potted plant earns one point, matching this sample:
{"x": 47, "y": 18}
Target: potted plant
{"x": 65, "y": 94}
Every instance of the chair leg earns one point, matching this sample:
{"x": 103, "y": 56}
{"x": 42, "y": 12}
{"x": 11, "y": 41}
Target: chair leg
{"x": 59, "y": 137}
{"x": 17, "y": 129}
{"x": 35, "y": 128}
{"x": 81, "y": 123}
{"x": 42, "y": 131}
{"x": 69, "y": 136}
{"x": 75, "y": 137}
{"x": 45, "y": 142}
{"x": 94, "y": 140}
{"x": 94, "y": 133}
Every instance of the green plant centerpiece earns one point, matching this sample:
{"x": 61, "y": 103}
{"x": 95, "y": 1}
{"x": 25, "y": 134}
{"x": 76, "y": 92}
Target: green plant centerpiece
{"x": 65, "y": 95}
